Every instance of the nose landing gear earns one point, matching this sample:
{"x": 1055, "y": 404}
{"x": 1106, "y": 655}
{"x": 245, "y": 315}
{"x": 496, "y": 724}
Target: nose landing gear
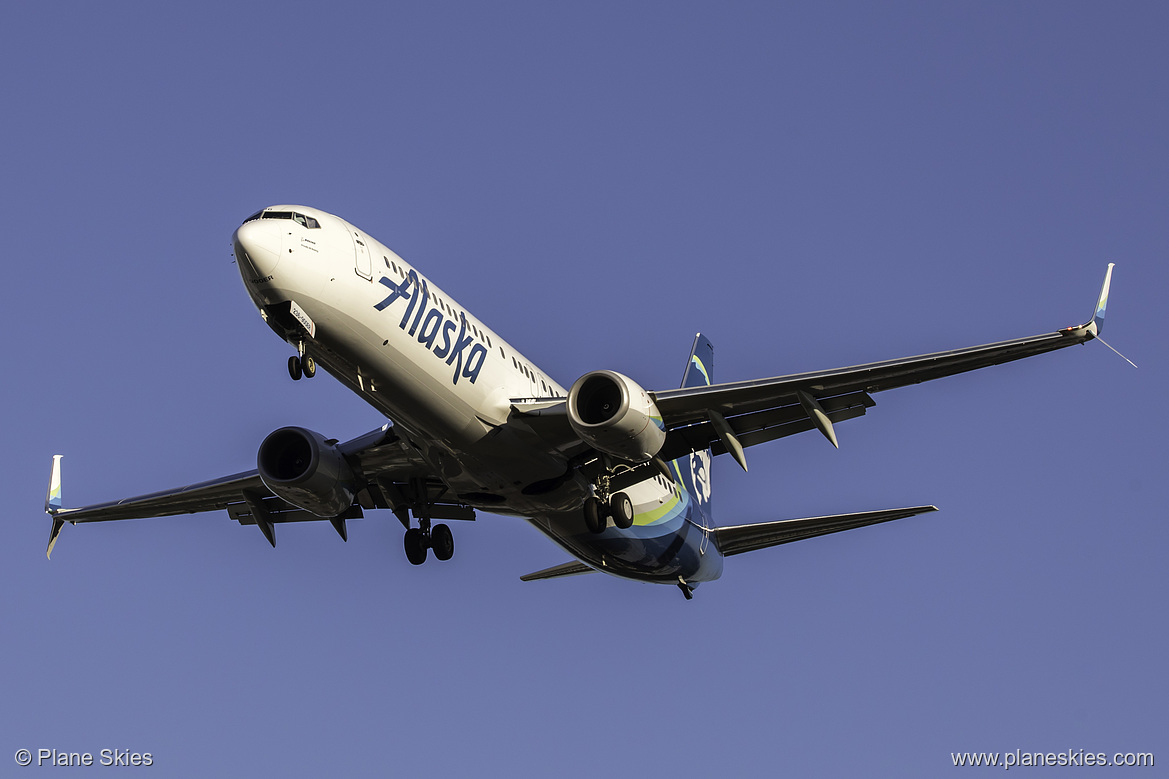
{"x": 300, "y": 364}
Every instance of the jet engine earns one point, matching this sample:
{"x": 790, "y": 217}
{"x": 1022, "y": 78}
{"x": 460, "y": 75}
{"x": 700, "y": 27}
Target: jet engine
{"x": 306, "y": 470}
{"x": 613, "y": 414}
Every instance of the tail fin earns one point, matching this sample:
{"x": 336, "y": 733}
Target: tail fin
{"x": 694, "y": 470}
{"x": 700, "y": 366}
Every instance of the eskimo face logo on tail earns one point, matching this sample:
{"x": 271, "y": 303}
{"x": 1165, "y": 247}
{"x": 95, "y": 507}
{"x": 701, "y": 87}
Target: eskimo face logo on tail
{"x": 700, "y": 473}
{"x": 432, "y": 325}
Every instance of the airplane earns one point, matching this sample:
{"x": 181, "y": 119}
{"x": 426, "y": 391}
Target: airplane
{"x": 616, "y": 475}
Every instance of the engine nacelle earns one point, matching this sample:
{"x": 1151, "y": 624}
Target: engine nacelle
{"x": 613, "y": 414}
{"x": 301, "y": 467}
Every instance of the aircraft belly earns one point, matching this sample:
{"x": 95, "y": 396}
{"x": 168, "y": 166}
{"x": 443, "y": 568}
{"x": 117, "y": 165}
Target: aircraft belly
{"x": 659, "y": 552}
{"x": 472, "y": 456}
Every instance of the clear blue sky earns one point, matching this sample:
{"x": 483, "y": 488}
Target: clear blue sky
{"x": 812, "y": 185}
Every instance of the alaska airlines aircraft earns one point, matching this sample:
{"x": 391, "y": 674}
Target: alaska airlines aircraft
{"x": 617, "y": 476}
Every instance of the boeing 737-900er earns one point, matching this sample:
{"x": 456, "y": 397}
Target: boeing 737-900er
{"x": 616, "y": 475}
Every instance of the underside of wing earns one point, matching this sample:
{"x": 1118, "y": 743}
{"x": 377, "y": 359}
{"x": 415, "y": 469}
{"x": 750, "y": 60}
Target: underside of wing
{"x": 204, "y": 496}
{"x": 824, "y": 391}
{"x": 730, "y": 417}
{"x": 747, "y": 538}
{"x": 693, "y": 405}
{"x": 384, "y": 473}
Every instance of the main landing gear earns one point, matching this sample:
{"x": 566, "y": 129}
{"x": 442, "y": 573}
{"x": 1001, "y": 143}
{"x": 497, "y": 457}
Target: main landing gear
{"x": 419, "y": 539}
{"x": 597, "y": 512}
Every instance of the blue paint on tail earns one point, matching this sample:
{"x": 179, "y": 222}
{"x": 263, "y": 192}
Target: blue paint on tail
{"x": 694, "y": 470}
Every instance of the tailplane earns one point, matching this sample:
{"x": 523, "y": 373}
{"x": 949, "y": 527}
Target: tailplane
{"x": 748, "y": 538}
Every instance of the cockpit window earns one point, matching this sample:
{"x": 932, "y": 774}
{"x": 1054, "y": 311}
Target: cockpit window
{"x": 306, "y": 221}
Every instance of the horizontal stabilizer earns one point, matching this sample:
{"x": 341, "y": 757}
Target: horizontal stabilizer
{"x": 565, "y": 569}
{"x": 748, "y": 538}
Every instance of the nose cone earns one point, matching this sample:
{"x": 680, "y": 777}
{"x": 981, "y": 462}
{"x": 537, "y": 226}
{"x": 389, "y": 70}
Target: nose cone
{"x": 257, "y": 247}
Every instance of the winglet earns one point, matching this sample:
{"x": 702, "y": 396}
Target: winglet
{"x": 1102, "y": 301}
{"x": 54, "y": 531}
{"x": 53, "y": 498}
{"x": 1091, "y": 329}
{"x": 53, "y": 504}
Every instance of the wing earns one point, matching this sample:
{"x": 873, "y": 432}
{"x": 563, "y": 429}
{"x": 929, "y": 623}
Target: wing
{"x": 391, "y": 473}
{"x": 730, "y": 417}
{"x": 727, "y": 417}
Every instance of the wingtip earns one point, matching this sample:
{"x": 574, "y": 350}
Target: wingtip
{"x": 1092, "y": 328}
{"x": 1102, "y": 301}
{"x": 53, "y": 497}
{"x": 54, "y": 531}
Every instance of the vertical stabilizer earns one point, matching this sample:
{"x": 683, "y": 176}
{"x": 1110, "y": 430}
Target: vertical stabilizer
{"x": 694, "y": 470}
{"x": 700, "y": 366}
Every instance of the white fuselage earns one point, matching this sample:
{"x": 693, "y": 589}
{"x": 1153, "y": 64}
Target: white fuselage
{"x": 447, "y": 381}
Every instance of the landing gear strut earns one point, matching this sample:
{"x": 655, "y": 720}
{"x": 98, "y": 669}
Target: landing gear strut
{"x": 604, "y": 504}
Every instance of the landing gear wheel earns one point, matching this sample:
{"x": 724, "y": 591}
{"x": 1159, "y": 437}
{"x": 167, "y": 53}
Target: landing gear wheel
{"x": 622, "y": 508}
{"x": 442, "y": 542}
{"x": 294, "y": 368}
{"x": 309, "y": 367}
{"x": 593, "y": 516}
{"x": 415, "y": 544}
